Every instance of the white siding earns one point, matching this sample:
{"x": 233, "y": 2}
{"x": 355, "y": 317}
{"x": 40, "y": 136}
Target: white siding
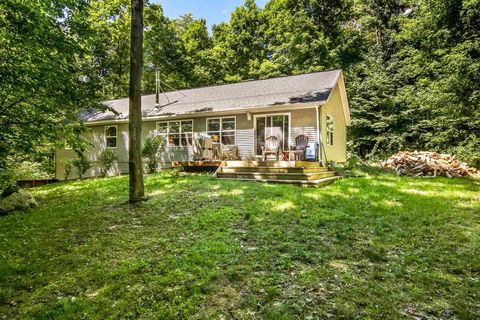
{"x": 304, "y": 121}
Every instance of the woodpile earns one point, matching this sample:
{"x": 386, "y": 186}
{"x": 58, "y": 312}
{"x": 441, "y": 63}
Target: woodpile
{"x": 424, "y": 163}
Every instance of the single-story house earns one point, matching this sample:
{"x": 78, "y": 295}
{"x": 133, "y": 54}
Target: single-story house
{"x": 241, "y": 114}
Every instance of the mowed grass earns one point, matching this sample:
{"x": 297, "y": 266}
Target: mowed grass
{"x": 376, "y": 247}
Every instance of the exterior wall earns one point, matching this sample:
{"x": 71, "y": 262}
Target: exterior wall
{"x": 338, "y": 151}
{"x": 96, "y": 137}
{"x": 302, "y": 121}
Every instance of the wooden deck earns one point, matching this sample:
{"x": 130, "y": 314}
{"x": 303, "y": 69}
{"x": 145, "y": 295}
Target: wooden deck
{"x": 197, "y": 166}
{"x": 294, "y": 172}
{"x": 205, "y": 163}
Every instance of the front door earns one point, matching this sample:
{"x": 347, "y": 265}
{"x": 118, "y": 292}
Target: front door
{"x": 277, "y": 125}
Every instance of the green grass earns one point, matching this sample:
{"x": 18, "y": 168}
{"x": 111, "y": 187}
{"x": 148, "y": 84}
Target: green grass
{"x": 375, "y": 247}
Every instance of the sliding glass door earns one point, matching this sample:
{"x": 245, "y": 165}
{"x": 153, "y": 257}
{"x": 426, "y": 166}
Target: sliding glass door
{"x": 277, "y": 125}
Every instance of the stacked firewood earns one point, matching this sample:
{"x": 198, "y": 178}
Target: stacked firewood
{"x": 424, "y": 163}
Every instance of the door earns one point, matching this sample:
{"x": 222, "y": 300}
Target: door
{"x": 277, "y": 125}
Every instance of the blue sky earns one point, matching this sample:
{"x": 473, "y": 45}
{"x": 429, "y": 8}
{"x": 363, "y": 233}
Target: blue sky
{"x": 214, "y": 11}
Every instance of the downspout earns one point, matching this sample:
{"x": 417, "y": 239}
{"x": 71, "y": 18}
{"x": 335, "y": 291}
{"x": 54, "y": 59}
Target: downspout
{"x": 319, "y": 136}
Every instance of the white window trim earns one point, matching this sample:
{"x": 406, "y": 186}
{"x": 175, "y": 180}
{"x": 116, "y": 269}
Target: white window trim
{"x": 116, "y": 136}
{"x": 179, "y": 132}
{"x": 330, "y": 141}
{"x": 221, "y": 126}
{"x": 289, "y": 114}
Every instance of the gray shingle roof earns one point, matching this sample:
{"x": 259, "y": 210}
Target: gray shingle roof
{"x": 291, "y": 90}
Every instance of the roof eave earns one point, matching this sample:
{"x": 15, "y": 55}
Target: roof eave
{"x": 257, "y": 109}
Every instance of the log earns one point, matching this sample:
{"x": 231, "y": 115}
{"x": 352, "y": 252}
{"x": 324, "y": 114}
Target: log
{"x": 426, "y": 163}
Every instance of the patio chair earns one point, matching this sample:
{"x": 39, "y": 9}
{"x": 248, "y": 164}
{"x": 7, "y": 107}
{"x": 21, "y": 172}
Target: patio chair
{"x": 272, "y": 146}
{"x": 230, "y": 152}
{"x": 301, "y": 143}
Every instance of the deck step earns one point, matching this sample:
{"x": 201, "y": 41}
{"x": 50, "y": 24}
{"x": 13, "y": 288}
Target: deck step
{"x": 276, "y": 176}
{"x": 306, "y": 183}
{"x": 274, "y": 169}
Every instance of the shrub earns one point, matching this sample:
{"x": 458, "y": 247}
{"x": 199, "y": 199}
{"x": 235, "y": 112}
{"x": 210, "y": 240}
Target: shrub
{"x": 106, "y": 159}
{"x": 82, "y": 164}
{"x": 7, "y": 181}
{"x": 29, "y": 170}
{"x": 150, "y": 151}
{"x": 67, "y": 167}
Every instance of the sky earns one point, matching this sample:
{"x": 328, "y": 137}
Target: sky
{"x": 214, "y": 11}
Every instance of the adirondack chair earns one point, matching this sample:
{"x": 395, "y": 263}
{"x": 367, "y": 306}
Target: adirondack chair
{"x": 272, "y": 146}
{"x": 301, "y": 143}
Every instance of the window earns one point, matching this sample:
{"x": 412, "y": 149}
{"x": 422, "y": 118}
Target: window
{"x": 176, "y": 133}
{"x": 111, "y": 136}
{"x": 329, "y": 130}
{"x": 222, "y": 129}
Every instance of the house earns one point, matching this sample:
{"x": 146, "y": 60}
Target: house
{"x": 242, "y": 114}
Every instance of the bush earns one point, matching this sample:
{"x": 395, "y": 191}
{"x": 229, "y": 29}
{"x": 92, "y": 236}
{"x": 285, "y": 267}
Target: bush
{"x": 82, "y": 164}
{"x": 106, "y": 159}
{"x": 67, "y": 167}
{"x": 7, "y": 181}
{"x": 151, "y": 147}
{"x": 29, "y": 170}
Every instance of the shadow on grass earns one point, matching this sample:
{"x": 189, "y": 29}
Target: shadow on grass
{"x": 379, "y": 246}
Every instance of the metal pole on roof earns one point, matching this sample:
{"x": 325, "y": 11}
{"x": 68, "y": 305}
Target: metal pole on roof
{"x": 157, "y": 87}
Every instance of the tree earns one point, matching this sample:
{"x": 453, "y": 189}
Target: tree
{"x": 137, "y": 192}
{"x": 45, "y": 80}
{"x": 198, "y": 45}
{"x": 164, "y": 50}
{"x": 240, "y": 43}
{"x": 108, "y": 39}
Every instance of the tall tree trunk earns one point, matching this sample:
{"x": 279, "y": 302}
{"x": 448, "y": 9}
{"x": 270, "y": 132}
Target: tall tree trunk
{"x": 135, "y": 111}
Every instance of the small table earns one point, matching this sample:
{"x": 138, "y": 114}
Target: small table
{"x": 289, "y": 154}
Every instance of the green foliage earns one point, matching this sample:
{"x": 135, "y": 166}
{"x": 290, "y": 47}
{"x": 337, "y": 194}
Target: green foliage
{"x": 81, "y": 163}
{"x": 418, "y": 87}
{"x": 67, "y": 167}
{"x": 45, "y": 80}
{"x": 106, "y": 160}
{"x": 28, "y": 170}
{"x": 7, "y": 178}
{"x": 151, "y": 147}
{"x": 208, "y": 248}
{"x": 412, "y": 67}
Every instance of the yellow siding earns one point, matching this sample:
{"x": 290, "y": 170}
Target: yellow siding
{"x": 338, "y": 151}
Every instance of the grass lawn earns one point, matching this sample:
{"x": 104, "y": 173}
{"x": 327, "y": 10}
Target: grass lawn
{"x": 376, "y": 247}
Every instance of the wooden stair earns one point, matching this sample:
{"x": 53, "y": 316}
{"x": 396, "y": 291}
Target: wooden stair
{"x": 293, "y": 172}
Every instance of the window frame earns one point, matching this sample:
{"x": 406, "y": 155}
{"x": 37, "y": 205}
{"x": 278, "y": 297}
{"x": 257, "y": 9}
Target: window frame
{"x": 109, "y": 137}
{"x": 329, "y": 129}
{"x": 180, "y": 133}
{"x": 221, "y": 130}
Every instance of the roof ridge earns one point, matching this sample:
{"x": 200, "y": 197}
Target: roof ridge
{"x": 235, "y": 83}
{"x": 179, "y": 102}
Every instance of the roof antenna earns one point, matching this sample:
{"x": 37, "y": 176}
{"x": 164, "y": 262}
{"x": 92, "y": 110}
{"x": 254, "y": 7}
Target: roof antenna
{"x": 157, "y": 87}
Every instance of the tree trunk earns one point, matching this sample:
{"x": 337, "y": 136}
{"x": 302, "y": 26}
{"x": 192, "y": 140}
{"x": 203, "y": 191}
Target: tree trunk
{"x": 135, "y": 107}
